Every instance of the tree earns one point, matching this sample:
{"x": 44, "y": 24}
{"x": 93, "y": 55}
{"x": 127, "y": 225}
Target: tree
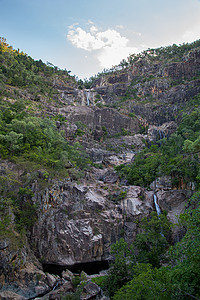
{"x": 151, "y": 244}
{"x": 13, "y": 141}
{"x": 147, "y": 283}
{"x": 148, "y": 248}
{"x": 120, "y": 271}
{"x": 185, "y": 255}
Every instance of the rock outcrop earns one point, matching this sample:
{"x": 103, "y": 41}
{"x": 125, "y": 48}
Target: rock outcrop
{"x": 78, "y": 223}
{"x": 159, "y": 132}
{"x": 73, "y": 224}
{"x": 107, "y": 118}
{"x": 155, "y": 90}
{"x": 174, "y": 202}
{"x": 21, "y": 275}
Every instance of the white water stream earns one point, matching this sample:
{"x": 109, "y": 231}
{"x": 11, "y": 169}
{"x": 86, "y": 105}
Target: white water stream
{"x": 88, "y": 97}
{"x": 158, "y": 210}
{"x": 156, "y": 205}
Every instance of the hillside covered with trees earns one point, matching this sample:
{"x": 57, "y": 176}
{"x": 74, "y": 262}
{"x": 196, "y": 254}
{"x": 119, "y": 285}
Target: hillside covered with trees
{"x": 82, "y": 165}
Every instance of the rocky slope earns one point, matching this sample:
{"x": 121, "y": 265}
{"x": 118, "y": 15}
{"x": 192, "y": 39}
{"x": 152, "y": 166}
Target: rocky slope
{"x": 78, "y": 223}
{"x": 79, "y": 217}
{"x": 155, "y": 90}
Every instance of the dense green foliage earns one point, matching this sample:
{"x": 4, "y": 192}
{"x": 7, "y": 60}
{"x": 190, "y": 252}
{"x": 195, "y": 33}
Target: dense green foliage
{"x": 176, "y": 156}
{"x": 146, "y": 283}
{"x": 37, "y": 144}
{"x": 29, "y": 138}
{"x": 20, "y": 70}
{"x": 152, "y": 242}
{"x": 35, "y": 139}
{"x": 168, "y": 53}
{"x": 149, "y": 247}
{"x": 22, "y": 134}
{"x": 134, "y": 275}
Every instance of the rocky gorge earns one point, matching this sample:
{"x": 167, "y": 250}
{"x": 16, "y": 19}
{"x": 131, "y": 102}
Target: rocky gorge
{"x": 77, "y": 224}
{"x": 78, "y": 217}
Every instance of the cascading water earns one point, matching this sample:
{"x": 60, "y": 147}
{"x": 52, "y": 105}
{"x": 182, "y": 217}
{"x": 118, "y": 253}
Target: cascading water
{"x": 58, "y": 283}
{"x": 88, "y": 97}
{"x": 161, "y": 134}
{"x": 160, "y": 137}
{"x": 156, "y": 205}
{"x": 158, "y": 210}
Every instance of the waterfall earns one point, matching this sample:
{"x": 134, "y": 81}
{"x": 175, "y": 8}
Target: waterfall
{"x": 88, "y": 97}
{"x": 156, "y": 205}
{"x": 157, "y": 210}
{"x": 161, "y": 134}
{"x": 58, "y": 283}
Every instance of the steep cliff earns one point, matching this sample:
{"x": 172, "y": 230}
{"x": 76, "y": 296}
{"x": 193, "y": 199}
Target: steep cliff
{"x": 62, "y": 201}
{"x": 153, "y": 88}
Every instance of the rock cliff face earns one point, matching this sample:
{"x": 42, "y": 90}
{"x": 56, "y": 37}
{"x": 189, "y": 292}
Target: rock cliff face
{"x": 21, "y": 275}
{"x": 156, "y": 91}
{"x": 107, "y": 118}
{"x": 174, "y": 202}
{"x": 77, "y": 222}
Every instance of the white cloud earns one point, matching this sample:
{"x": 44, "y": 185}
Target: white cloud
{"x": 93, "y": 29}
{"x": 73, "y": 25}
{"x": 84, "y": 40}
{"x": 120, "y": 26}
{"x": 90, "y": 22}
{"x": 138, "y": 33}
{"x": 190, "y": 23}
{"x": 112, "y": 56}
{"x": 109, "y": 46}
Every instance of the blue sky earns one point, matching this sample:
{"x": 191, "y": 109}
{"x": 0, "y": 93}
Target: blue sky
{"x": 86, "y": 36}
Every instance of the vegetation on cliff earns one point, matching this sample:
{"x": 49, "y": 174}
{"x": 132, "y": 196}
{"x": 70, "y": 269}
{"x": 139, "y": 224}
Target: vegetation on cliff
{"x": 25, "y": 132}
{"x": 36, "y": 148}
{"x": 173, "y": 53}
{"x": 152, "y": 269}
{"x": 20, "y": 70}
{"x": 176, "y": 156}
{"x": 29, "y": 138}
{"x": 35, "y": 139}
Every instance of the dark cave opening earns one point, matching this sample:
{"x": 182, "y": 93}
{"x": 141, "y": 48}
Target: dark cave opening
{"x": 89, "y": 267}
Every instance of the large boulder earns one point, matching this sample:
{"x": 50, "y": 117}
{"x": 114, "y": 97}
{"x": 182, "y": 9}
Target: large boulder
{"x": 78, "y": 223}
{"x": 90, "y": 291}
{"x": 174, "y": 202}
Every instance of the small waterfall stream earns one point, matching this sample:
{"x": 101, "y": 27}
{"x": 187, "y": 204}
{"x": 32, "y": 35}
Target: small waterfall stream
{"x": 158, "y": 210}
{"x": 156, "y": 205}
{"x": 88, "y": 97}
{"x": 161, "y": 134}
